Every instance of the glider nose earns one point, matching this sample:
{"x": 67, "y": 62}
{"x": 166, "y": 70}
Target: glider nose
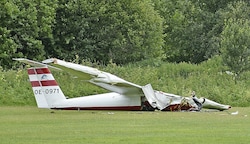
{"x": 225, "y": 107}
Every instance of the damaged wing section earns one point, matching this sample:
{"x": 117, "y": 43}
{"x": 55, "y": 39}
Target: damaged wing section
{"x": 155, "y": 99}
{"x": 170, "y": 102}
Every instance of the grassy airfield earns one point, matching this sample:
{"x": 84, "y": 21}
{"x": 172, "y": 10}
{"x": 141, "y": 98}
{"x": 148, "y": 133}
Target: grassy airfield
{"x": 29, "y": 125}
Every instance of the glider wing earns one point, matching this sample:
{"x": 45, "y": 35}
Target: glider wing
{"x": 100, "y": 78}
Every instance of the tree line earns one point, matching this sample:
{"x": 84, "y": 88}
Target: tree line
{"x": 125, "y": 31}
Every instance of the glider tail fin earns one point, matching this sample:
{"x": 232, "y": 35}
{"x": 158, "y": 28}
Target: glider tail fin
{"x": 46, "y": 90}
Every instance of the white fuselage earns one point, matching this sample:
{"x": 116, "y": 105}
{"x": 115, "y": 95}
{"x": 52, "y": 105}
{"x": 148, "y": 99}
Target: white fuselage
{"x": 107, "y": 101}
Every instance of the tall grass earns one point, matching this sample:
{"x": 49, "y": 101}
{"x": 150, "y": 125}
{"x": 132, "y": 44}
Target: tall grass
{"x": 208, "y": 79}
{"x": 15, "y": 88}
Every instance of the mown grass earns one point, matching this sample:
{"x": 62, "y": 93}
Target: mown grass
{"x": 29, "y": 125}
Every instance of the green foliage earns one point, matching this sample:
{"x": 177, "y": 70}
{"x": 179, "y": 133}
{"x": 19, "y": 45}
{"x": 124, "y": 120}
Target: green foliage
{"x": 186, "y": 29}
{"x": 121, "y": 31}
{"x": 24, "y": 29}
{"x": 221, "y": 12}
{"x": 7, "y": 48}
{"x": 235, "y": 46}
{"x": 46, "y": 13}
{"x": 193, "y": 28}
{"x": 25, "y": 25}
{"x": 235, "y": 43}
{"x": 212, "y": 5}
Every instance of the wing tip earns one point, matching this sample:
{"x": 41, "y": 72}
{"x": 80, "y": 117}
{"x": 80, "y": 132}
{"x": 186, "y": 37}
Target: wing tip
{"x": 35, "y": 63}
{"x": 51, "y": 60}
{"x": 19, "y": 59}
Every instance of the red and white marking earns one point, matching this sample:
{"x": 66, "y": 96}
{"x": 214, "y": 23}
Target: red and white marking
{"x": 41, "y": 77}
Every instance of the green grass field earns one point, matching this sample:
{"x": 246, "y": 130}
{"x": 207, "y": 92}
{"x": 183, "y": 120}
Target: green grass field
{"x": 30, "y": 125}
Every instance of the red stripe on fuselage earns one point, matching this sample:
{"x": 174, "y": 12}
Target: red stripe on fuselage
{"x": 32, "y": 71}
{"x": 125, "y": 108}
{"x": 44, "y": 83}
{"x": 35, "y": 83}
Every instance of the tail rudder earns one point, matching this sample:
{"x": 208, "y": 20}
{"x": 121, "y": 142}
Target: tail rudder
{"x": 45, "y": 88}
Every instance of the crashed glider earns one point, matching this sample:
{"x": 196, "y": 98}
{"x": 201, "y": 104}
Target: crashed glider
{"x": 123, "y": 95}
